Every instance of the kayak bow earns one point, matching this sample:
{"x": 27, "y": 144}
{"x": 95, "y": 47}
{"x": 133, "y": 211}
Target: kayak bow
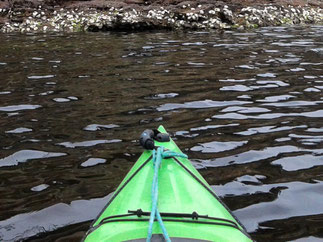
{"x": 187, "y": 207}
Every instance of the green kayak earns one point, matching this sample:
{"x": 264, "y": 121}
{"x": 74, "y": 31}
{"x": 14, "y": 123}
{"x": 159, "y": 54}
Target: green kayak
{"x": 188, "y": 208}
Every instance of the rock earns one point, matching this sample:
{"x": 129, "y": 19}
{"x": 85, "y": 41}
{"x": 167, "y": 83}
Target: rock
{"x": 103, "y": 15}
{"x": 134, "y": 1}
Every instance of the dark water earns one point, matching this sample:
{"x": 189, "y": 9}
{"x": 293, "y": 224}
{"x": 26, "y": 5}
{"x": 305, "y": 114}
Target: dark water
{"x": 245, "y": 107}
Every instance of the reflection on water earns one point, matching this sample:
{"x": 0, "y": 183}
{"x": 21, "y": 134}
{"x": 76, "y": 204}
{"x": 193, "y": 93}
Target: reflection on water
{"x": 245, "y": 107}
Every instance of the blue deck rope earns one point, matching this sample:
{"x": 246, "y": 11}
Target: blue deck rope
{"x": 158, "y": 156}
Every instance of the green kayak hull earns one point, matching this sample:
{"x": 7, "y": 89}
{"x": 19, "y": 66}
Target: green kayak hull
{"x": 182, "y": 192}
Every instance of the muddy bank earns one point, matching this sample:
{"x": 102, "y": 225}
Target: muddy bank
{"x": 100, "y": 15}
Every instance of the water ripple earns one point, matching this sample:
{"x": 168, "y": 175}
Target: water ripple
{"x": 88, "y": 143}
{"x": 96, "y": 127}
{"x": 215, "y": 146}
{"x": 40, "y": 77}
{"x": 93, "y": 162}
{"x": 199, "y": 105}
{"x": 49, "y": 219}
{"x": 23, "y": 156}
{"x": 19, "y": 130}
{"x": 21, "y": 107}
{"x": 284, "y": 206}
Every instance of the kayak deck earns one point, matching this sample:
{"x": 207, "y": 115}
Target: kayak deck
{"x": 189, "y": 207}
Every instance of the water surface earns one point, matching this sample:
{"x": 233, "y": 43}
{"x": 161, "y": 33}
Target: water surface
{"x": 245, "y": 106}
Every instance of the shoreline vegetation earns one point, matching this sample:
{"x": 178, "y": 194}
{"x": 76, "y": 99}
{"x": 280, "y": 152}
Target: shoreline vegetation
{"x": 99, "y": 15}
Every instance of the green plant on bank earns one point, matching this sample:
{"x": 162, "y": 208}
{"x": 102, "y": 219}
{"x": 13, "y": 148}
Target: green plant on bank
{"x": 287, "y": 21}
{"x": 251, "y": 26}
{"x": 77, "y": 27}
{"x": 254, "y": 26}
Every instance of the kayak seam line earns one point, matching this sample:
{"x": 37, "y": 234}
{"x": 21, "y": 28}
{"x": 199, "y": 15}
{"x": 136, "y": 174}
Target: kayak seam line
{"x": 92, "y": 228}
{"x": 214, "y": 195}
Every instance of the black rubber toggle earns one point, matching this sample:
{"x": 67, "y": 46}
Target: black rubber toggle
{"x": 195, "y": 215}
{"x": 146, "y": 139}
{"x": 138, "y": 212}
{"x": 148, "y": 136}
{"x": 162, "y": 137}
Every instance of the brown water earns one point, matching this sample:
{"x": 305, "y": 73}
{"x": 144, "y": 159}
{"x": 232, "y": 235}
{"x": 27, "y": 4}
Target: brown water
{"x": 245, "y": 106}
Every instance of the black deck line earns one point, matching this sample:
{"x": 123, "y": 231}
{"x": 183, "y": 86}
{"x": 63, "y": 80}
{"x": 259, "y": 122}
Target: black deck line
{"x": 174, "y": 215}
{"x": 214, "y": 195}
{"x": 115, "y": 195}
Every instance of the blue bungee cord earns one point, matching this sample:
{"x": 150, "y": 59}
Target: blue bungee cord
{"x": 158, "y": 156}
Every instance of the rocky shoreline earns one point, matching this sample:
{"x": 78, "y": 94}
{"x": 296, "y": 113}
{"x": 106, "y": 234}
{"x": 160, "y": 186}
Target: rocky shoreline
{"x": 80, "y": 16}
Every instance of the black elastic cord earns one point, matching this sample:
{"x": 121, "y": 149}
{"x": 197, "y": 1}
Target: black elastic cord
{"x": 193, "y": 216}
{"x": 171, "y": 220}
